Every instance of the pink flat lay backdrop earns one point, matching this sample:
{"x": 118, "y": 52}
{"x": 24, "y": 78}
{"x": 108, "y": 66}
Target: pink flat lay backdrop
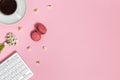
{"x": 83, "y": 39}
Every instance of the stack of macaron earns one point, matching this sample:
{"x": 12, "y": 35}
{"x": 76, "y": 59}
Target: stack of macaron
{"x": 40, "y": 29}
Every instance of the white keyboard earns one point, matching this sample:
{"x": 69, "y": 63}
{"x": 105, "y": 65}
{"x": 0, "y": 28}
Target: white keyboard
{"x": 14, "y": 68}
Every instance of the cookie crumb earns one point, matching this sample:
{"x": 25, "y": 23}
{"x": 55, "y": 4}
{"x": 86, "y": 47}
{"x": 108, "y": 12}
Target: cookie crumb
{"x": 36, "y": 10}
{"x": 49, "y": 6}
{"x": 44, "y": 48}
{"x": 29, "y": 48}
{"x": 19, "y": 28}
{"x": 38, "y": 62}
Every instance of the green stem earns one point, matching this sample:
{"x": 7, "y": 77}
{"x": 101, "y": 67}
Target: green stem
{"x": 1, "y": 47}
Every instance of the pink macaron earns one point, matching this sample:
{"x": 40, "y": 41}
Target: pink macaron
{"x": 36, "y": 36}
{"x": 41, "y": 28}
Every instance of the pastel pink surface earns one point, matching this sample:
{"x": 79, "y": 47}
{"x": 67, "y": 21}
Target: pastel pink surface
{"x": 83, "y": 39}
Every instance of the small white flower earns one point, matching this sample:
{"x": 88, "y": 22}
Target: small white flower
{"x": 11, "y": 39}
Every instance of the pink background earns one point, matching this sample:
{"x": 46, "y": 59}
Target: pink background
{"x": 82, "y": 41}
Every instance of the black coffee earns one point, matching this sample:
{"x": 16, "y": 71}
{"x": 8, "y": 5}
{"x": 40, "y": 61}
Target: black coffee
{"x": 8, "y": 7}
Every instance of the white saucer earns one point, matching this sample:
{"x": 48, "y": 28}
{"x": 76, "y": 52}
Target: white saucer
{"x": 16, "y": 16}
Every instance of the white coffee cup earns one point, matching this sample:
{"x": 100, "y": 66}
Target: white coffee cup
{"x": 15, "y": 16}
